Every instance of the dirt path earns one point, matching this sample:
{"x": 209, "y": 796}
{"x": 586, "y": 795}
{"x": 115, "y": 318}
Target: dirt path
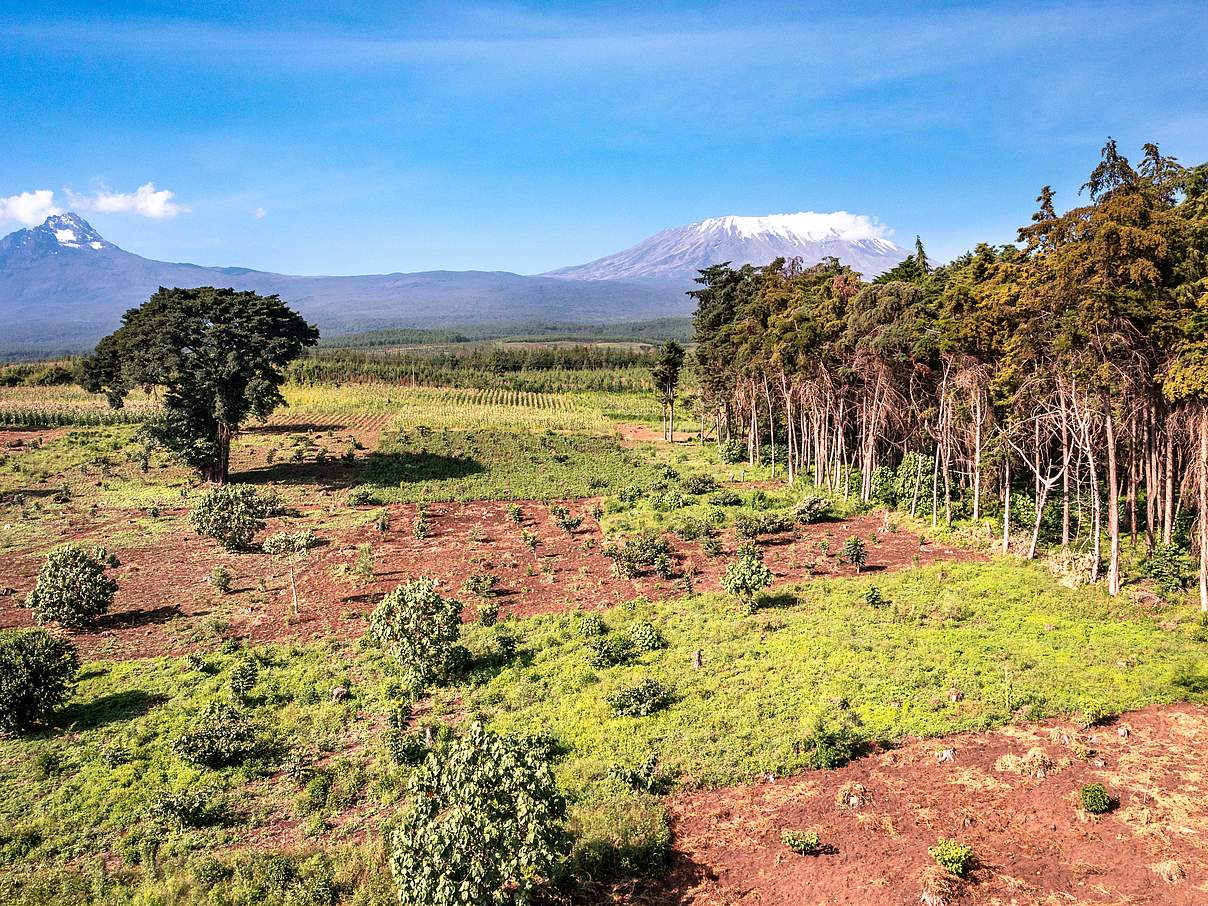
{"x": 1033, "y": 843}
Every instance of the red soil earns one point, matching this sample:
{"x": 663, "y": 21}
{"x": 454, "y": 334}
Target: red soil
{"x": 164, "y": 598}
{"x": 1033, "y": 842}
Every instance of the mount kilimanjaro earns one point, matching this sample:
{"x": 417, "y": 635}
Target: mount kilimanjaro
{"x": 63, "y": 285}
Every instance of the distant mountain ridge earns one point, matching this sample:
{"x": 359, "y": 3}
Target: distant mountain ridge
{"x": 680, "y": 252}
{"x": 63, "y": 286}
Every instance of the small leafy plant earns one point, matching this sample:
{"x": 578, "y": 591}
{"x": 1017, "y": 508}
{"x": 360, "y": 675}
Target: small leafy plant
{"x": 220, "y": 579}
{"x": 421, "y": 628}
{"x": 804, "y": 843}
{"x": 232, "y": 515}
{"x": 640, "y": 700}
{"x": 953, "y": 857}
{"x": 1095, "y": 799}
{"x": 72, "y": 588}
{"x": 746, "y": 576}
{"x": 855, "y": 553}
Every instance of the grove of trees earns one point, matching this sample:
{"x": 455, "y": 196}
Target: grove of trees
{"x": 1059, "y": 385}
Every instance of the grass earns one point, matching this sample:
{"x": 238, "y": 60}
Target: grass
{"x": 414, "y": 465}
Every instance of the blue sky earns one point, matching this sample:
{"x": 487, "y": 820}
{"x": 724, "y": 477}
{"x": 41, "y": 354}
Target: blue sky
{"x": 408, "y": 136}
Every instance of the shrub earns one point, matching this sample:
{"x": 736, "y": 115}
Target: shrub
{"x": 421, "y": 628}
{"x": 405, "y": 748}
{"x": 1095, "y": 799}
{"x": 884, "y": 486}
{"x": 591, "y": 624}
{"x": 481, "y": 584}
{"x": 564, "y": 520}
{"x": 515, "y": 513}
{"x": 192, "y": 806}
{"x": 953, "y": 857}
{"x": 232, "y": 515}
{"x": 383, "y": 521}
{"x": 362, "y": 570}
{"x": 663, "y": 567}
{"x": 854, "y": 553}
{"x": 529, "y": 539}
{"x": 811, "y": 509}
{"x": 691, "y": 529}
{"x": 710, "y": 547}
{"x": 670, "y": 500}
{"x": 746, "y": 576}
{"x": 608, "y": 652}
{"x": 698, "y": 484}
{"x": 220, "y": 579}
{"x": 485, "y": 826}
{"x": 224, "y": 735}
{"x": 644, "y": 637}
{"x": 36, "y": 669}
{"x": 834, "y": 738}
{"x": 635, "y": 555}
{"x": 640, "y": 700}
{"x": 488, "y": 614}
{"x": 72, "y": 588}
{"x": 804, "y": 843}
{"x": 753, "y": 525}
{"x": 646, "y": 778}
{"x": 243, "y": 677}
{"x": 726, "y": 497}
{"x": 1168, "y": 566}
{"x": 873, "y": 597}
{"x": 732, "y": 451}
{"x": 282, "y": 544}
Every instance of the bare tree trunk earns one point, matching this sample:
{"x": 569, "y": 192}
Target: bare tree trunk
{"x": 1203, "y": 475}
{"x": 977, "y": 453}
{"x": 1113, "y": 502}
{"x": 1168, "y": 486}
{"x": 1006, "y": 503}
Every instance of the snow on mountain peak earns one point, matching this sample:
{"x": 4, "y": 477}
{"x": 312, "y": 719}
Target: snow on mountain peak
{"x": 803, "y": 226}
{"x": 73, "y": 231}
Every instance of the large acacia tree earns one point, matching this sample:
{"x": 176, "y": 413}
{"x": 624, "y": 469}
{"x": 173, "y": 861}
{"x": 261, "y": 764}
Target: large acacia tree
{"x": 218, "y": 354}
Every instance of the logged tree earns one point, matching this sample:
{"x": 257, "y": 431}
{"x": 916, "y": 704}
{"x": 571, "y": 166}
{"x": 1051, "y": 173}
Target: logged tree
{"x": 217, "y": 353}
{"x": 485, "y": 825}
{"x": 36, "y": 669}
{"x": 668, "y": 362}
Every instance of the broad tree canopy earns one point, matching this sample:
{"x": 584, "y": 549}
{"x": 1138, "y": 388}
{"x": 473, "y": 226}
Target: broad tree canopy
{"x": 217, "y": 353}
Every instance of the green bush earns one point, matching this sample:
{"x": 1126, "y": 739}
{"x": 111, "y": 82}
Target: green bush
{"x": 193, "y": 806}
{"x": 564, "y": 520}
{"x": 224, "y": 735}
{"x": 753, "y": 525}
{"x": 951, "y": 856}
{"x": 710, "y": 547}
{"x": 725, "y": 497}
{"x": 1095, "y": 799}
{"x": 481, "y": 584}
{"x": 811, "y": 509}
{"x": 405, "y": 748}
{"x": 281, "y": 544}
{"x": 232, "y": 515}
{"x": 636, "y": 555}
{"x": 732, "y": 451}
{"x": 644, "y": 637}
{"x": 421, "y": 628}
{"x": 1169, "y": 566}
{"x": 36, "y": 669}
{"x": 488, "y": 614}
{"x": 746, "y": 576}
{"x": 874, "y": 598}
{"x": 885, "y": 486}
{"x": 646, "y": 778}
{"x": 604, "y": 651}
{"x": 692, "y": 529}
{"x": 72, "y": 588}
{"x": 640, "y": 700}
{"x": 804, "y": 843}
{"x": 591, "y": 624}
{"x": 854, "y": 553}
{"x": 835, "y": 737}
{"x": 698, "y": 484}
{"x": 515, "y": 513}
{"x": 484, "y": 827}
{"x": 220, "y": 579}
{"x": 244, "y": 673}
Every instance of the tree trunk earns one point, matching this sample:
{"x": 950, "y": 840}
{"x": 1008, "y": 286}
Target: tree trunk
{"x": 219, "y": 471}
{"x": 1203, "y": 420}
{"x": 977, "y": 451}
{"x": 1113, "y": 503}
{"x": 1006, "y": 503}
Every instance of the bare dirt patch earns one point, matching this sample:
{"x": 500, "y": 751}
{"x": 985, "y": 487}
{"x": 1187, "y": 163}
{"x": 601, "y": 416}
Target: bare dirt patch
{"x": 165, "y": 604}
{"x": 1033, "y": 842}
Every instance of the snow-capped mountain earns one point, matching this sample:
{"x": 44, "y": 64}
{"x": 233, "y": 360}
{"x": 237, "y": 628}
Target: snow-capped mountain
{"x": 678, "y": 253}
{"x": 63, "y": 287}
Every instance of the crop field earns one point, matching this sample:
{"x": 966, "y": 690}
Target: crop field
{"x": 237, "y": 733}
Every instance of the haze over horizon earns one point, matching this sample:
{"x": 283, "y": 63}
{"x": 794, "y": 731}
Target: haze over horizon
{"x": 529, "y": 137}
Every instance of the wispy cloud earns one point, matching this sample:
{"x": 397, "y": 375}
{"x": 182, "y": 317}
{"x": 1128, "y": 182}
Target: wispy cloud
{"x": 259, "y": 213}
{"x": 29, "y": 208}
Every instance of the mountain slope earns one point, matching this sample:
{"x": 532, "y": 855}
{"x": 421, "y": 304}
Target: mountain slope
{"x": 677, "y": 254}
{"x": 62, "y": 287}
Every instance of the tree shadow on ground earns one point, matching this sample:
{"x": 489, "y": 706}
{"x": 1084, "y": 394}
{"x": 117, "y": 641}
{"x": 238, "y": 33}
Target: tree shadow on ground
{"x": 305, "y": 428}
{"x": 130, "y": 619}
{"x": 330, "y": 475}
{"x": 396, "y": 468}
{"x": 108, "y": 709}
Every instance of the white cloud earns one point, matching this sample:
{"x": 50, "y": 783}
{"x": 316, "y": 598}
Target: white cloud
{"x": 145, "y": 201}
{"x": 29, "y": 208}
{"x": 259, "y": 213}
